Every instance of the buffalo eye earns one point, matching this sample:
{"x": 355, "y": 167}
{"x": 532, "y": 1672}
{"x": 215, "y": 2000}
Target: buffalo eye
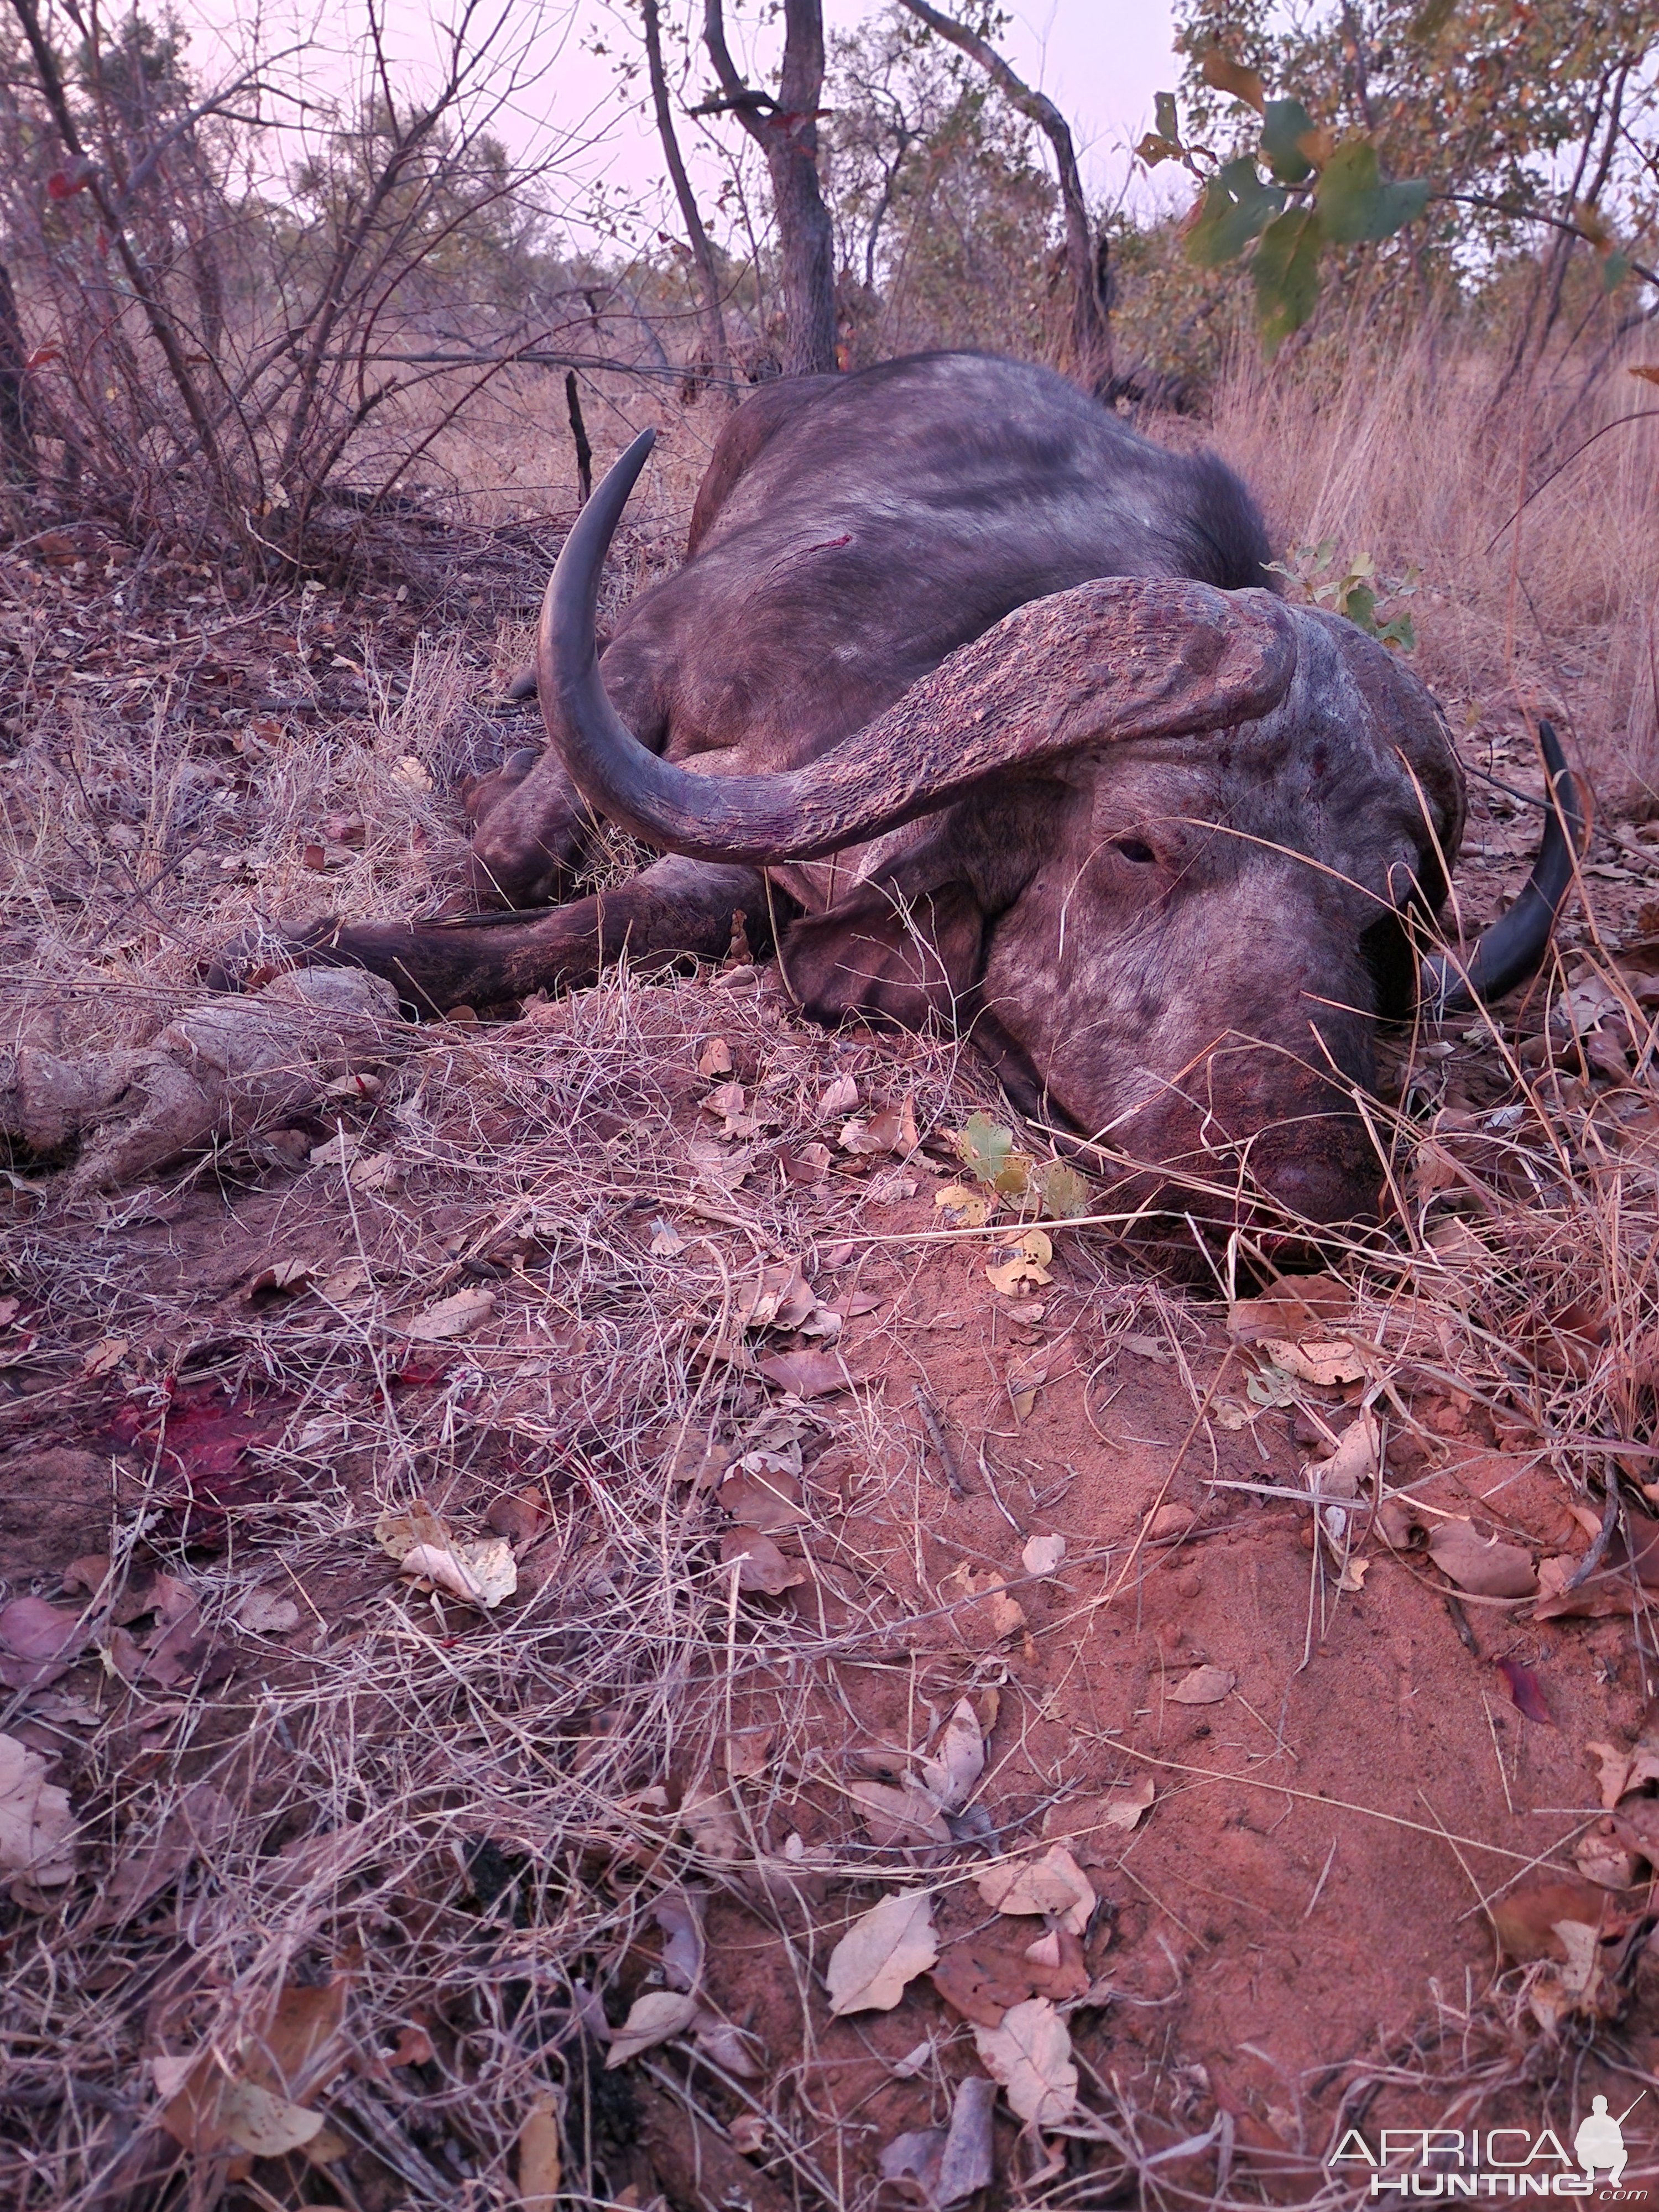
{"x": 1136, "y": 849}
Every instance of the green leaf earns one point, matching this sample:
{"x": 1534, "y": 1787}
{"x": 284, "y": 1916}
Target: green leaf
{"x": 1399, "y": 633}
{"x": 1354, "y": 204}
{"x": 984, "y": 1146}
{"x": 1167, "y": 120}
{"x": 1358, "y": 603}
{"x": 1233, "y": 210}
{"x": 1614, "y": 270}
{"x": 1286, "y": 269}
{"x": 1065, "y": 1192}
{"x": 1286, "y": 122}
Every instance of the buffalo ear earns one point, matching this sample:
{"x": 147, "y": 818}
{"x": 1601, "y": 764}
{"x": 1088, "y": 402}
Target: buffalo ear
{"x": 875, "y": 952}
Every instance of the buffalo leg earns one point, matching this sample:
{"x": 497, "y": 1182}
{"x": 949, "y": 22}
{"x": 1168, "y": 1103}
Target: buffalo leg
{"x": 674, "y": 909}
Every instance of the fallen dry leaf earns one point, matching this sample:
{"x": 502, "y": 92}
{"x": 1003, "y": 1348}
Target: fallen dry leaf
{"x": 841, "y": 1097}
{"x": 1324, "y": 1365}
{"x": 1526, "y": 1690}
{"x": 808, "y": 1164}
{"x": 35, "y": 1820}
{"x": 1125, "y": 1809}
{"x": 1356, "y": 1459}
{"x": 1023, "y": 1259}
{"x": 1527, "y": 1922}
{"x": 999, "y": 1614}
{"x": 412, "y": 774}
{"x": 1204, "y": 1685}
{"x": 899, "y": 1818}
{"x": 256, "y": 2106}
{"x": 257, "y": 2120}
{"x": 805, "y": 1374}
{"x": 666, "y": 1242}
{"x": 1042, "y": 1555}
{"x": 1304, "y": 1306}
{"x": 520, "y": 1516}
{"x": 1606, "y": 1861}
{"x": 481, "y": 1571}
{"x": 451, "y": 1316}
{"x": 894, "y": 1131}
{"x": 1029, "y": 2052}
{"x": 981, "y": 1989}
{"x": 40, "y": 1641}
{"x": 947, "y": 2166}
{"x": 104, "y": 1357}
{"x": 1483, "y": 1565}
{"x": 541, "y": 2167}
{"x": 678, "y": 1913}
{"x": 883, "y": 1951}
{"x": 723, "y": 2042}
{"x": 1055, "y": 1962}
{"x": 761, "y": 1566}
{"x": 1622, "y": 1770}
{"x": 746, "y": 1755}
{"x": 715, "y": 1059}
{"x": 1054, "y": 1884}
{"x": 264, "y": 1613}
{"x": 953, "y": 1768}
{"x": 963, "y": 1208}
{"x": 651, "y": 2019}
{"x": 413, "y": 2047}
{"x": 763, "y": 1500}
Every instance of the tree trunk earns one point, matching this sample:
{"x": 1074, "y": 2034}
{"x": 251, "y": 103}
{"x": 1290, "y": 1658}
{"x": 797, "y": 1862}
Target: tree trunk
{"x": 702, "y": 253}
{"x": 16, "y": 444}
{"x": 787, "y": 131}
{"x": 1091, "y": 328}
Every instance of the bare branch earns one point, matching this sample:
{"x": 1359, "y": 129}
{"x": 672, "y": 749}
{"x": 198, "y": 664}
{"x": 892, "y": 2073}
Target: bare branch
{"x": 1091, "y": 335}
{"x": 702, "y": 253}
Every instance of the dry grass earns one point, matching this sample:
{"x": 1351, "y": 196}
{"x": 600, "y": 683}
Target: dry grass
{"x": 1554, "y": 612}
{"x": 470, "y": 1821}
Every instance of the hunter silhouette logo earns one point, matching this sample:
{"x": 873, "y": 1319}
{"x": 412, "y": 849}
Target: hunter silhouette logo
{"x": 1600, "y": 2141}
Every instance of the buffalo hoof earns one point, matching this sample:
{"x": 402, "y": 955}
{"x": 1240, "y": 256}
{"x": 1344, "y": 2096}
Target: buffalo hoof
{"x": 255, "y": 959}
{"x": 481, "y": 795}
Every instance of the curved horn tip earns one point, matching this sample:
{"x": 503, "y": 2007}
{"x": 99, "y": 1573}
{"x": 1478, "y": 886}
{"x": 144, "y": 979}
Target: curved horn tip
{"x": 1512, "y": 949}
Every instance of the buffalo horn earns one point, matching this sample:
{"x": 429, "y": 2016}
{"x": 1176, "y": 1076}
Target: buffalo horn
{"x": 1118, "y": 659}
{"x": 1513, "y": 947}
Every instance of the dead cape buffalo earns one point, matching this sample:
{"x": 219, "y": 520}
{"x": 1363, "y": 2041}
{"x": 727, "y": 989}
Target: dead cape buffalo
{"x": 975, "y": 701}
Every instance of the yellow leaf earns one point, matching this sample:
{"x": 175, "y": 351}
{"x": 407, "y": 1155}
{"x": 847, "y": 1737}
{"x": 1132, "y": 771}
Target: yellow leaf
{"x": 541, "y": 2167}
{"x": 1225, "y": 75}
{"x": 963, "y": 1208}
{"x": 1023, "y": 1260}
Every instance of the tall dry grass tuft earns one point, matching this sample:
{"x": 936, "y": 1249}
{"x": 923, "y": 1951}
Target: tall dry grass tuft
{"x": 1531, "y": 523}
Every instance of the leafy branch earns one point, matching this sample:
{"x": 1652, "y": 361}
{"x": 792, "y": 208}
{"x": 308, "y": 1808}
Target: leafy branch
{"x": 1319, "y": 192}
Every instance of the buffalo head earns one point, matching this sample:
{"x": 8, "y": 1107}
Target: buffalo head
{"x": 1160, "y": 849}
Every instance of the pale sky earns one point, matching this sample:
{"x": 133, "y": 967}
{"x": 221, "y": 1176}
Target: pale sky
{"x": 1101, "y": 61}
